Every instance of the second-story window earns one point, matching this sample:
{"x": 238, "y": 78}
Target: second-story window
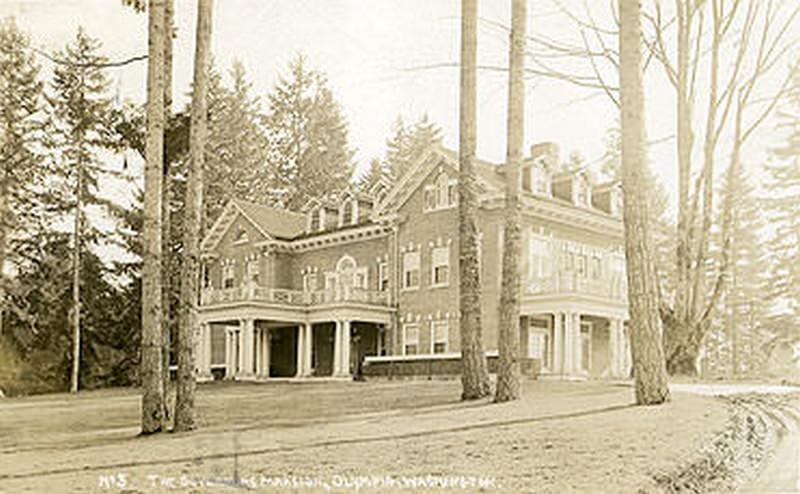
{"x": 310, "y": 282}
{"x": 383, "y": 276}
{"x": 596, "y": 267}
{"x": 581, "y": 267}
{"x": 440, "y": 266}
{"x": 537, "y": 257}
{"x": 411, "y": 270}
{"x": 253, "y": 271}
{"x": 228, "y": 276}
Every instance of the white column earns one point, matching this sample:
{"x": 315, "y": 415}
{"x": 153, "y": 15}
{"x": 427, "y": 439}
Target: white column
{"x": 248, "y": 339}
{"x": 613, "y": 347}
{"x": 258, "y": 351}
{"x": 558, "y": 344}
{"x": 346, "y": 348}
{"x": 301, "y": 351}
{"x": 204, "y": 352}
{"x": 229, "y": 364}
{"x": 578, "y": 342}
{"x": 569, "y": 345}
{"x": 626, "y": 352}
{"x": 337, "y": 349}
{"x": 309, "y": 338}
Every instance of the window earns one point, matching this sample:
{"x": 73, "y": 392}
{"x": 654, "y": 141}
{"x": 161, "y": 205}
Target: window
{"x": 411, "y": 270}
{"x": 440, "y": 266}
{"x": 581, "y": 265}
{"x": 241, "y": 236}
{"x": 539, "y": 340}
{"x": 360, "y": 279}
{"x": 206, "y": 277}
{"x": 537, "y": 257}
{"x": 596, "y": 267}
{"x": 227, "y": 276}
{"x": 383, "y": 276}
{"x": 441, "y": 194}
{"x": 439, "y": 332}
{"x": 410, "y": 339}
{"x": 316, "y": 220}
{"x": 542, "y": 182}
{"x": 310, "y": 282}
{"x": 348, "y": 213}
{"x": 253, "y": 271}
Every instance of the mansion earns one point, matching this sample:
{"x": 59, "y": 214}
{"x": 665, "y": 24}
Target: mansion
{"x": 368, "y": 283}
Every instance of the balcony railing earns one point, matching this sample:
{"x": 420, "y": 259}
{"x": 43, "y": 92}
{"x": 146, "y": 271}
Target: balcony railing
{"x": 572, "y": 283}
{"x": 295, "y": 298}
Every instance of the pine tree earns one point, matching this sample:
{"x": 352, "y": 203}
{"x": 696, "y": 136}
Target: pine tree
{"x": 474, "y": 372}
{"x": 406, "y": 144}
{"x": 508, "y": 340}
{"x": 649, "y": 367}
{"x": 81, "y": 126}
{"x": 782, "y": 186}
{"x": 236, "y": 149}
{"x": 307, "y": 132}
{"x": 20, "y": 105}
{"x": 193, "y": 223}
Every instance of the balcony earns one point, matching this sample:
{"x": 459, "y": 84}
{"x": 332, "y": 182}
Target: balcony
{"x": 567, "y": 282}
{"x": 292, "y": 298}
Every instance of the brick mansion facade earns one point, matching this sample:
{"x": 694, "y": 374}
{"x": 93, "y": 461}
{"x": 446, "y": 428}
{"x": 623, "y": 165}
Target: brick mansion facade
{"x": 368, "y": 283}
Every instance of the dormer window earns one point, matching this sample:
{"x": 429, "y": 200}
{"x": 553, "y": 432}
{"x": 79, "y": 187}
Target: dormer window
{"x": 582, "y": 192}
{"x": 536, "y": 179}
{"x": 316, "y": 219}
{"x": 348, "y": 212}
{"x": 441, "y": 194}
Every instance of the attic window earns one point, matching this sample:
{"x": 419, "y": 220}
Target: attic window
{"x": 583, "y": 195}
{"x": 441, "y": 194}
{"x": 316, "y": 220}
{"x": 241, "y": 236}
{"x": 347, "y": 213}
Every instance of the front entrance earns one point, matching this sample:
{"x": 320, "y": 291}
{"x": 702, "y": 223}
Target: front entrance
{"x": 364, "y": 342}
{"x": 322, "y": 350}
{"x": 283, "y": 352}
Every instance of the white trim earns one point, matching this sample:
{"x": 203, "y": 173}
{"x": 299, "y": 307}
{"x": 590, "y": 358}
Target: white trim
{"x": 436, "y": 356}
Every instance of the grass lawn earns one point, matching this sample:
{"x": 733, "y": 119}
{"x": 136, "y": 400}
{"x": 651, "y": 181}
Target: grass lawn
{"x": 561, "y": 437}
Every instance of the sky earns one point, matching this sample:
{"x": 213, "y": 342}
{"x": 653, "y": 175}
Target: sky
{"x": 373, "y": 52}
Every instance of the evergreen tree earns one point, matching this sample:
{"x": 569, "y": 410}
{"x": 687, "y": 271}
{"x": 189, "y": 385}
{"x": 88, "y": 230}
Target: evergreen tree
{"x": 237, "y": 145}
{"x": 782, "y": 186}
{"x": 81, "y": 126}
{"x": 307, "y": 132}
{"x": 20, "y": 105}
{"x": 407, "y": 142}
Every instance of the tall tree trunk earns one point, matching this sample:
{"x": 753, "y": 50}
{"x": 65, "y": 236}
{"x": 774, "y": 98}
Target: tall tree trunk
{"x": 474, "y": 373}
{"x": 190, "y": 272}
{"x": 152, "y": 378}
{"x": 76, "y": 281}
{"x": 649, "y": 368}
{"x": 684, "y": 141}
{"x": 508, "y": 340}
{"x": 4, "y": 227}
{"x": 166, "y": 223}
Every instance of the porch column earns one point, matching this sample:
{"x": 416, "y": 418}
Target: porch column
{"x": 558, "y": 344}
{"x": 248, "y": 338}
{"x": 346, "y": 348}
{"x": 230, "y": 365}
{"x": 614, "y": 348}
{"x": 301, "y": 351}
{"x": 337, "y": 349}
{"x": 569, "y": 344}
{"x": 204, "y": 353}
{"x": 258, "y": 352}
{"x": 309, "y": 339}
{"x": 626, "y": 351}
{"x": 578, "y": 345}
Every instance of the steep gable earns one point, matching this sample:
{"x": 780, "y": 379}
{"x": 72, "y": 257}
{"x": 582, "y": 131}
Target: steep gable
{"x": 268, "y": 223}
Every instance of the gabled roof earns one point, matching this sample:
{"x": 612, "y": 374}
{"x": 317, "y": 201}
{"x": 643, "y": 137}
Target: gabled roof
{"x": 488, "y": 176}
{"x": 271, "y": 222}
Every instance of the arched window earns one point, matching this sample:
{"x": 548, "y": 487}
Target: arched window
{"x": 348, "y": 212}
{"x": 316, "y": 221}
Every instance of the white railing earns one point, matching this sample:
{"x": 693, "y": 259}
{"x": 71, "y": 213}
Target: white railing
{"x": 296, "y": 298}
{"x": 570, "y": 282}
